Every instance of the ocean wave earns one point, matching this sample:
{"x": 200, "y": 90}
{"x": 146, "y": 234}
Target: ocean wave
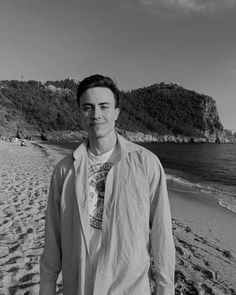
{"x": 225, "y": 195}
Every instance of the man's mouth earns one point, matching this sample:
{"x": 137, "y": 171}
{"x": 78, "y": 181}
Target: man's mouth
{"x": 96, "y": 124}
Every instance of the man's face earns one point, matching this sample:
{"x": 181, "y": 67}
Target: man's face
{"x": 98, "y": 112}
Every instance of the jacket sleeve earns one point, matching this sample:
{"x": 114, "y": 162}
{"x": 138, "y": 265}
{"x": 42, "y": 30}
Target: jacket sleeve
{"x": 50, "y": 262}
{"x": 162, "y": 242}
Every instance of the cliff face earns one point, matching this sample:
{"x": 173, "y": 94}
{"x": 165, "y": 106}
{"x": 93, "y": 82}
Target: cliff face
{"x": 162, "y": 112}
{"x": 212, "y": 129}
{"x": 210, "y": 117}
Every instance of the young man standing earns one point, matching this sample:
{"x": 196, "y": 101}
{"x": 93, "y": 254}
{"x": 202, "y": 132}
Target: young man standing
{"x": 107, "y": 204}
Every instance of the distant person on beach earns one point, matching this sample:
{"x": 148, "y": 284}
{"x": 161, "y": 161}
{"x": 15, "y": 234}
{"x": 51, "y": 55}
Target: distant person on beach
{"x": 23, "y": 143}
{"x": 107, "y": 209}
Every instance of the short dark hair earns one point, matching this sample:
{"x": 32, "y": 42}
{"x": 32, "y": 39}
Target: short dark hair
{"x": 98, "y": 81}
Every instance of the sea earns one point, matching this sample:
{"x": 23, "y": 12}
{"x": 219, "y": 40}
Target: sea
{"x": 207, "y": 167}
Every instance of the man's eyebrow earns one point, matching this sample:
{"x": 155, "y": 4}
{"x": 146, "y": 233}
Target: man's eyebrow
{"x": 87, "y": 104}
{"x": 102, "y": 103}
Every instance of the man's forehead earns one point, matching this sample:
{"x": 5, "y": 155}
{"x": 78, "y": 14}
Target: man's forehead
{"x": 98, "y": 95}
{"x": 97, "y": 90}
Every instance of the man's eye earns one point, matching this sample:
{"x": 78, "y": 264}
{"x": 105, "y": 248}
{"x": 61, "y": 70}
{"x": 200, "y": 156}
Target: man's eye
{"x": 86, "y": 109}
{"x": 104, "y": 107}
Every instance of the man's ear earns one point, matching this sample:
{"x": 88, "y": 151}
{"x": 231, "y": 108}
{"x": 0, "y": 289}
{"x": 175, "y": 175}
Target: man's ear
{"x": 117, "y": 112}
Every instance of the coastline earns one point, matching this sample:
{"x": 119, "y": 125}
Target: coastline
{"x": 204, "y": 231}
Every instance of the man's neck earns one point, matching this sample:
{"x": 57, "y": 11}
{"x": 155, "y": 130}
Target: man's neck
{"x": 101, "y": 145}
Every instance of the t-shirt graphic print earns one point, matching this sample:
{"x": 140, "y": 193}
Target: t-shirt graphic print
{"x": 98, "y": 168}
{"x": 97, "y": 175}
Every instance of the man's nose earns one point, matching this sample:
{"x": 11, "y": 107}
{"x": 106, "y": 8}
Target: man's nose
{"x": 96, "y": 113}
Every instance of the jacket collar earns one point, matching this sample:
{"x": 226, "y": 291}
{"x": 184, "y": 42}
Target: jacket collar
{"x": 124, "y": 146}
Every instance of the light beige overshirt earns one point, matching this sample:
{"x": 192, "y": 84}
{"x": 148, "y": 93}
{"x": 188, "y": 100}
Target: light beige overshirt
{"x": 136, "y": 213}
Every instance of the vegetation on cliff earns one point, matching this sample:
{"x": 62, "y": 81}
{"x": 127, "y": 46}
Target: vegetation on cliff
{"x": 172, "y": 109}
{"x": 41, "y": 106}
{"x": 163, "y": 108}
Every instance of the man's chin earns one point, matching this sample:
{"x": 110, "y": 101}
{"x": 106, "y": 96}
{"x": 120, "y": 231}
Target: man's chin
{"x": 98, "y": 134}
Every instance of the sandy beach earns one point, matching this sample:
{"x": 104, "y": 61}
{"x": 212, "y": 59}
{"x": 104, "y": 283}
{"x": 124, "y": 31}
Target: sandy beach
{"x": 205, "y": 240}
{"x": 204, "y": 232}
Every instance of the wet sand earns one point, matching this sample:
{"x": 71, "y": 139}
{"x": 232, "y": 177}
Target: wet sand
{"x": 204, "y": 231}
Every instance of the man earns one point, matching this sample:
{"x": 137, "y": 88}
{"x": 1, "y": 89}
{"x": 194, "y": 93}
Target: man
{"x": 107, "y": 203}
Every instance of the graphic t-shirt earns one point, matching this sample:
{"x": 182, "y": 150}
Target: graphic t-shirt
{"x": 98, "y": 168}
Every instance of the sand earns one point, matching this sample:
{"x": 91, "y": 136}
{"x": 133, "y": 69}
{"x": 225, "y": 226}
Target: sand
{"x": 205, "y": 240}
{"x": 204, "y": 232}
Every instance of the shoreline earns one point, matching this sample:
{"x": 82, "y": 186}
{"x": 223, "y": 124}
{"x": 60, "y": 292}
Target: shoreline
{"x": 217, "y": 193}
{"x": 205, "y": 215}
{"x": 204, "y": 231}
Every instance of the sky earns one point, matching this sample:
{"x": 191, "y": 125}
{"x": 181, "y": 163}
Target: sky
{"x": 136, "y": 42}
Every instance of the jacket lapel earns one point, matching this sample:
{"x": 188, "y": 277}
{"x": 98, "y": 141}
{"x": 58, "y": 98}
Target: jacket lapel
{"x": 81, "y": 188}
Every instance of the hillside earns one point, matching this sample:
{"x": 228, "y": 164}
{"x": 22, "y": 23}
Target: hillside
{"x": 34, "y": 109}
{"x": 170, "y": 109}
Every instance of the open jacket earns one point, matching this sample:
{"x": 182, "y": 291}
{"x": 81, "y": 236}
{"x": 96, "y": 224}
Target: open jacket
{"x": 136, "y": 213}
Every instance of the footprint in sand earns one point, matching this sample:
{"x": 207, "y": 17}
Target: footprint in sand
{"x": 179, "y": 250}
{"x": 206, "y": 290}
{"x": 25, "y": 179}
